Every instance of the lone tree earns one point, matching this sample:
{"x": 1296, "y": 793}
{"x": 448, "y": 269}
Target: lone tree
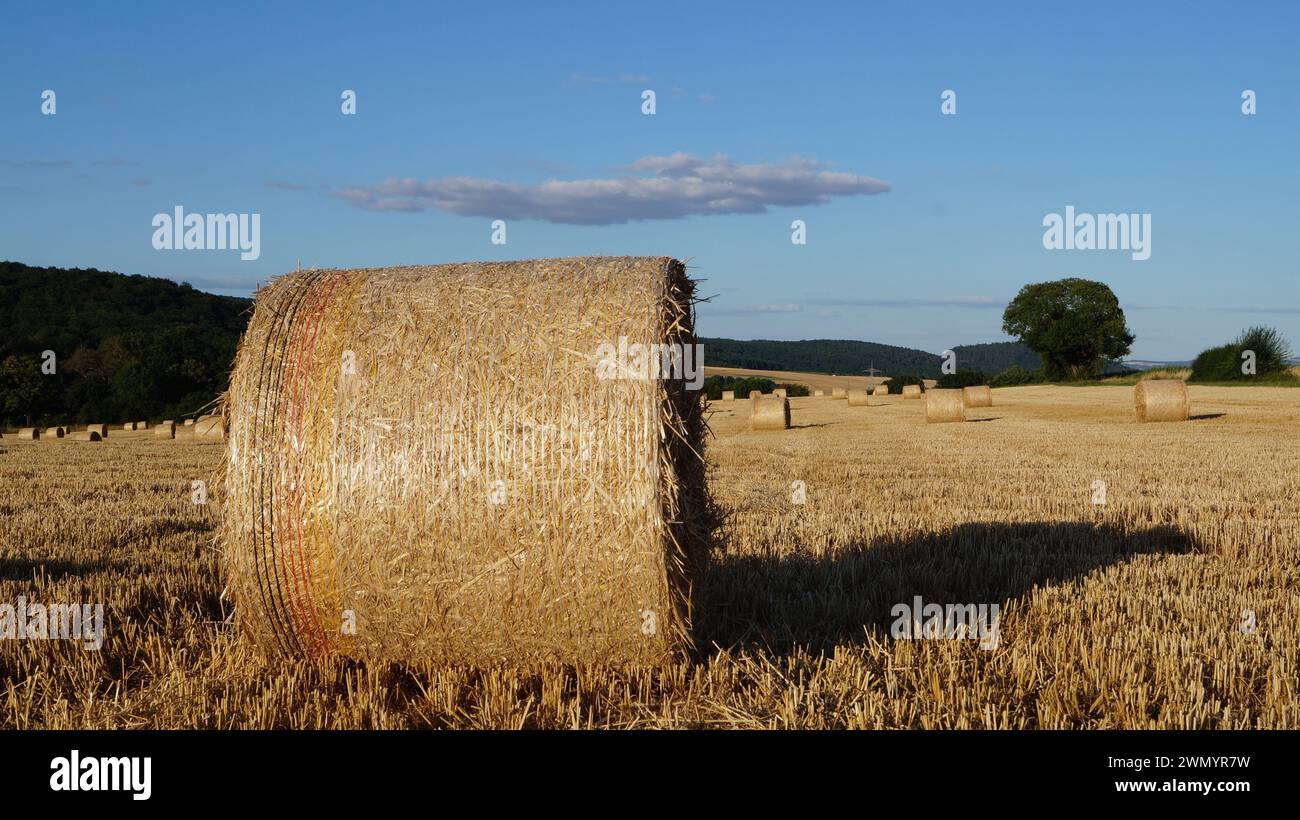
{"x": 1075, "y": 325}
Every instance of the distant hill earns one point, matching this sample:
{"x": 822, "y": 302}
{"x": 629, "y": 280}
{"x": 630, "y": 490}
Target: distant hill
{"x": 126, "y": 347}
{"x": 851, "y": 357}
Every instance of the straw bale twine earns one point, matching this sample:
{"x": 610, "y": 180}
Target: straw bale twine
{"x": 430, "y": 463}
{"x": 978, "y": 396}
{"x": 944, "y": 405}
{"x": 1161, "y": 400}
{"x": 770, "y": 413}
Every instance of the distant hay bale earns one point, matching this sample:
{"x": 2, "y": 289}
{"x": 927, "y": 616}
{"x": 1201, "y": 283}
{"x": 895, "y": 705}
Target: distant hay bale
{"x": 770, "y": 413}
{"x": 780, "y": 391}
{"x": 944, "y": 406}
{"x": 88, "y": 435}
{"x": 165, "y": 429}
{"x": 911, "y": 391}
{"x": 859, "y": 398}
{"x": 212, "y": 428}
{"x": 470, "y": 491}
{"x": 881, "y": 389}
{"x": 1161, "y": 400}
{"x": 54, "y": 432}
{"x": 819, "y": 392}
{"x": 129, "y": 427}
{"x": 978, "y": 396}
{"x": 142, "y": 425}
{"x": 29, "y": 434}
{"x": 837, "y": 392}
{"x": 754, "y": 394}
{"x": 728, "y": 395}
{"x": 189, "y": 422}
{"x": 102, "y": 429}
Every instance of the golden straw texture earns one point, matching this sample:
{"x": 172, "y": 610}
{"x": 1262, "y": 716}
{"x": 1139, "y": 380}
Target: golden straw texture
{"x": 979, "y": 396}
{"x": 944, "y": 405}
{"x": 430, "y": 463}
{"x": 770, "y": 413}
{"x": 1161, "y": 400}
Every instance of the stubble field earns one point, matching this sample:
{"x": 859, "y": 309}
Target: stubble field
{"x": 1175, "y": 604}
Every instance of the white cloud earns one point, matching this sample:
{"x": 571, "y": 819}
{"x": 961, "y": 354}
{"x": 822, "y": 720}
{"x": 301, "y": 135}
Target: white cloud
{"x": 655, "y": 187}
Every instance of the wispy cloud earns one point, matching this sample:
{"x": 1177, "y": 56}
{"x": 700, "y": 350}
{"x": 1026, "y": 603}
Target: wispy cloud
{"x": 655, "y": 187}
{"x": 36, "y": 163}
{"x": 754, "y": 310}
{"x": 969, "y": 302}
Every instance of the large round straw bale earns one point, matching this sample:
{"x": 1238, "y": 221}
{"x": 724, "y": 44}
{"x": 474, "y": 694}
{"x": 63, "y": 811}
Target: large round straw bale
{"x": 129, "y": 426}
{"x": 88, "y": 435}
{"x": 29, "y": 434}
{"x": 142, "y": 425}
{"x": 837, "y": 392}
{"x": 911, "y": 391}
{"x": 944, "y": 405}
{"x": 770, "y": 413}
{"x": 881, "y": 389}
{"x": 445, "y": 463}
{"x": 1161, "y": 400}
{"x": 189, "y": 423}
{"x": 102, "y": 429}
{"x": 859, "y": 398}
{"x": 779, "y": 391}
{"x": 212, "y": 428}
{"x": 54, "y": 432}
{"x": 978, "y": 396}
{"x": 728, "y": 395}
{"x": 165, "y": 429}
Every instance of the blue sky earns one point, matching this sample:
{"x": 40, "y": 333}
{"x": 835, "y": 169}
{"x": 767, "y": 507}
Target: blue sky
{"x": 920, "y": 226}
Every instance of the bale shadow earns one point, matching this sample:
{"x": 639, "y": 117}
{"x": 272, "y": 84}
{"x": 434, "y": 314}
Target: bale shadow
{"x": 1204, "y": 416}
{"x": 995, "y": 418}
{"x": 812, "y": 602}
{"x": 24, "y": 569}
{"x": 807, "y": 426}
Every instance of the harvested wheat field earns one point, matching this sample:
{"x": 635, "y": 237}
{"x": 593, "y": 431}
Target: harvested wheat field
{"x": 1135, "y": 613}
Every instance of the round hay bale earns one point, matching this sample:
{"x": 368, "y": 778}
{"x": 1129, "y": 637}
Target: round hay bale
{"x": 102, "y": 429}
{"x": 859, "y": 398}
{"x": 770, "y": 413}
{"x": 728, "y": 395}
{"x": 1161, "y": 400}
{"x": 416, "y": 471}
{"x": 165, "y": 429}
{"x": 88, "y": 435}
{"x": 779, "y": 391}
{"x": 837, "y": 392}
{"x": 128, "y": 427}
{"x": 978, "y": 396}
{"x": 142, "y": 425}
{"x": 29, "y": 434}
{"x": 754, "y": 394}
{"x": 819, "y": 393}
{"x": 54, "y": 432}
{"x": 911, "y": 391}
{"x": 944, "y": 405}
{"x": 212, "y": 428}
{"x": 189, "y": 423}
{"x": 881, "y": 389}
